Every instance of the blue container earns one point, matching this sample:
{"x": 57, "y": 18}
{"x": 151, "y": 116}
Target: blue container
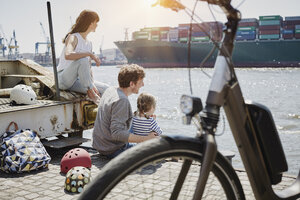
{"x": 287, "y": 31}
{"x": 246, "y": 32}
{"x": 248, "y": 20}
{"x": 198, "y": 34}
{"x": 293, "y": 18}
{"x": 246, "y": 37}
{"x": 297, "y": 26}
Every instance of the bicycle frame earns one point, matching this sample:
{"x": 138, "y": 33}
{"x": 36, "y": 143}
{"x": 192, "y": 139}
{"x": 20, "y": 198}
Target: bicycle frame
{"x": 225, "y": 91}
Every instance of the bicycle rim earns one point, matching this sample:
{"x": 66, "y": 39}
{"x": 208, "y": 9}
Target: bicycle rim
{"x": 150, "y": 171}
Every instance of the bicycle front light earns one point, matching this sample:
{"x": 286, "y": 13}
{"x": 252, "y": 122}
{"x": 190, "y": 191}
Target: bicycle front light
{"x": 190, "y": 106}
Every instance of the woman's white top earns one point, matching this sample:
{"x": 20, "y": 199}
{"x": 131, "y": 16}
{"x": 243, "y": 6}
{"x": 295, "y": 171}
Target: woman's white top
{"x": 82, "y": 46}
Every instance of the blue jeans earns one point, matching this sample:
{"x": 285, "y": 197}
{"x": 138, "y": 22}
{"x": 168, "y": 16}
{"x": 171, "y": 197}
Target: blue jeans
{"x": 115, "y": 154}
{"x": 77, "y": 77}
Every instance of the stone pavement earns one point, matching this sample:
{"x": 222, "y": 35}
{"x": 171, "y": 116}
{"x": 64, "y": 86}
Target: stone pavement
{"x": 48, "y": 183}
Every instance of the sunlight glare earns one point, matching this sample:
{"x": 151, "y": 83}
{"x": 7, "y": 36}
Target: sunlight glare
{"x": 150, "y": 2}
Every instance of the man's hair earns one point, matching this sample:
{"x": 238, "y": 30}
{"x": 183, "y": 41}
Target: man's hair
{"x": 130, "y": 73}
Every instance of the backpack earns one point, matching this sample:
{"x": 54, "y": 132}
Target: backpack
{"x": 22, "y": 151}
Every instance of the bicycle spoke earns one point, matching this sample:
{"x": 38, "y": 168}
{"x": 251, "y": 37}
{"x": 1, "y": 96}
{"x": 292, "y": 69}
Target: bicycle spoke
{"x": 181, "y": 178}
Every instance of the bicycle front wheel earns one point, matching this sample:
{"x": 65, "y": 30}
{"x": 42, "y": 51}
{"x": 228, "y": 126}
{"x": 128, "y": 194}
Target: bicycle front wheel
{"x": 153, "y": 169}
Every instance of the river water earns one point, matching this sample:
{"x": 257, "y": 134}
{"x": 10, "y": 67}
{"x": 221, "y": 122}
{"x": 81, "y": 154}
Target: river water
{"x": 278, "y": 89}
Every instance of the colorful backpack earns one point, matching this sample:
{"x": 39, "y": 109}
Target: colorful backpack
{"x": 22, "y": 151}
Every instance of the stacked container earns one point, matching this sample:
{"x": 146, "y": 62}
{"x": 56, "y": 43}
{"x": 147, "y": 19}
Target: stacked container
{"x": 288, "y": 29}
{"x": 199, "y": 32}
{"x": 140, "y": 35}
{"x": 247, "y": 29}
{"x": 155, "y": 34}
{"x": 164, "y": 33}
{"x": 183, "y": 33}
{"x": 173, "y": 34}
{"x": 269, "y": 27}
{"x": 297, "y": 31}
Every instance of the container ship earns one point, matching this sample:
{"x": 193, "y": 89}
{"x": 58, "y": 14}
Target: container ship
{"x": 269, "y": 41}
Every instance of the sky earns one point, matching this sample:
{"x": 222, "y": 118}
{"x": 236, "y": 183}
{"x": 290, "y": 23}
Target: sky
{"x": 25, "y": 16}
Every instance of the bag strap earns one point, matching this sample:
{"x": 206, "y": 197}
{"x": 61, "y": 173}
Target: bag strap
{"x": 12, "y": 123}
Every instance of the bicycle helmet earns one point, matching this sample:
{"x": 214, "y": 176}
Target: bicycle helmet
{"x": 76, "y": 179}
{"x": 75, "y": 157}
{"x": 22, "y": 94}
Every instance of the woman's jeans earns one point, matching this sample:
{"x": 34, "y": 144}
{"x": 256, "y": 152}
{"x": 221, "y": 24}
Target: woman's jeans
{"x": 77, "y": 77}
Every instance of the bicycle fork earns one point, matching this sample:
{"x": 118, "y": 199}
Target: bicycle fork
{"x": 209, "y": 157}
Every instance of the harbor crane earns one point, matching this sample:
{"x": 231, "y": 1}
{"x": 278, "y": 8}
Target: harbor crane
{"x": 13, "y": 48}
{"x": 2, "y": 41}
{"x": 38, "y": 57}
{"x": 47, "y": 43}
{"x": 102, "y": 58}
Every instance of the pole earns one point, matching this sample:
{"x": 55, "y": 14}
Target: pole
{"x": 53, "y": 50}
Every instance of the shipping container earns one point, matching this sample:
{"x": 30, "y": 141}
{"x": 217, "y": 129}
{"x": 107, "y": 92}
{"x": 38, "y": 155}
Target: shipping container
{"x": 183, "y": 39}
{"x": 269, "y": 32}
{"x": 247, "y": 28}
{"x": 287, "y": 36}
{"x": 271, "y": 27}
{"x": 245, "y": 37}
{"x": 246, "y": 32}
{"x": 292, "y": 18}
{"x": 155, "y": 32}
{"x": 182, "y": 35}
{"x": 173, "y": 39}
{"x": 249, "y": 20}
{"x": 200, "y": 39}
{"x": 288, "y": 27}
{"x": 164, "y": 28}
{"x": 146, "y": 29}
{"x": 294, "y": 22}
{"x": 287, "y": 31}
{"x": 269, "y": 22}
{"x": 173, "y": 33}
{"x": 199, "y": 34}
{"x": 269, "y": 37}
{"x": 297, "y": 35}
{"x": 243, "y": 24}
{"x": 270, "y": 17}
{"x": 297, "y": 26}
{"x": 297, "y": 30}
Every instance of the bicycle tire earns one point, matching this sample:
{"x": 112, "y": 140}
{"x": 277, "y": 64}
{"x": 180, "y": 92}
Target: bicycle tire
{"x": 142, "y": 162}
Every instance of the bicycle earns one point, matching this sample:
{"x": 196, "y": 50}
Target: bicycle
{"x": 203, "y": 172}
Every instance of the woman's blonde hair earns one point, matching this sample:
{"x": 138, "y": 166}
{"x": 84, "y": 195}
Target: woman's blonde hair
{"x": 83, "y": 22}
{"x": 145, "y": 102}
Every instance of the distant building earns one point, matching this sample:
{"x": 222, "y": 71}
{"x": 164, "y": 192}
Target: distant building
{"x": 113, "y": 55}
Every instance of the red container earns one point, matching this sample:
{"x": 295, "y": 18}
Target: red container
{"x": 269, "y": 32}
{"x": 242, "y": 24}
{"x": 297, "y": 35}
{"x": 287, "y": 36}
{"x": 269, "y": 27}
{"x": 182, "y": 35}
{"x": 289, "y": 26}
{"x": 293, "y": 22}
{"x": 154, "y": 32}
{"x": 164, "y": 28}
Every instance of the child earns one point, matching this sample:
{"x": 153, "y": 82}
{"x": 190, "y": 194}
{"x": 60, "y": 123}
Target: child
{"x": 144, "y": 121}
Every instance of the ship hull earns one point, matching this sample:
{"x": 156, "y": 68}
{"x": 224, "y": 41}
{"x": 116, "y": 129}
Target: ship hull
{"x": 158, "y": 54}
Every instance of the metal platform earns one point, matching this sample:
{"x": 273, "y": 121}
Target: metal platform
{"x": 6, "y": 107}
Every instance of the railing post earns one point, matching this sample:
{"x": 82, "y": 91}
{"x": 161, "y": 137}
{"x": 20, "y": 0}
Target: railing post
{"x": 53, "y": 51}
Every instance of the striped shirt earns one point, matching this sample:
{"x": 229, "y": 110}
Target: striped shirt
{"x": 143, "y": 126}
